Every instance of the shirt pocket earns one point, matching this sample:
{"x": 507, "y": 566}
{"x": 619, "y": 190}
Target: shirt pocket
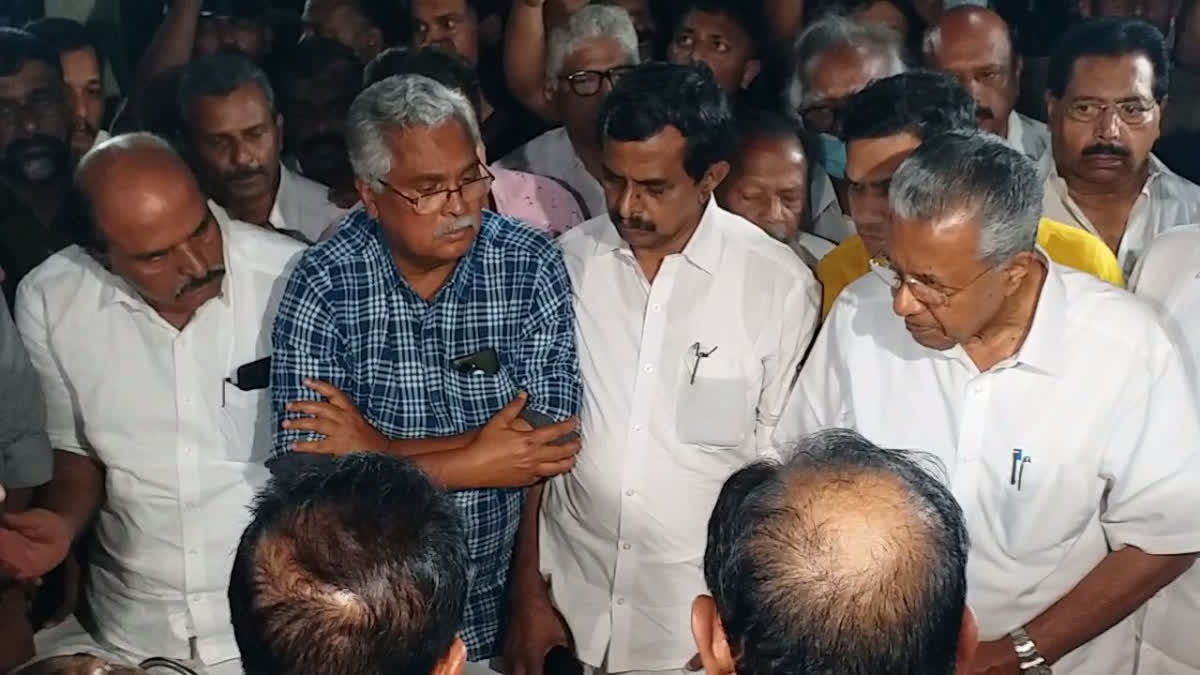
{"x": 247, "y": 419}
{"x": 1052, "y": 507}
{"x": 477, "y": 396}
{"x": 713, "y": 409}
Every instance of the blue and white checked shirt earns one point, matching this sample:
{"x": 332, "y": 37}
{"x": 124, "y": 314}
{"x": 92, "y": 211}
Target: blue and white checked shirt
{"x": 347, "y": 317}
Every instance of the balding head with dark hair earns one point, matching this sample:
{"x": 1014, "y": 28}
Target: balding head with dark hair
{"x": 850, "y": 559}
{"x": 353, "y": 565}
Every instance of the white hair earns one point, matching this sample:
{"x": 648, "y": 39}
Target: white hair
{"x": 399, "y": 102}
{"x": 589, "y": 23}
{"x": 976, "y": 174}
{"x": 836, "y": 31}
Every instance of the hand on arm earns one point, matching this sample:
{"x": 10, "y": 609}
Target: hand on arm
{"x": 35, "y": 541}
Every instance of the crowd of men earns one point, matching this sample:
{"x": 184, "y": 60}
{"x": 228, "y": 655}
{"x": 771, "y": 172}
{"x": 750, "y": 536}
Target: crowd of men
{"x": 849, "y": 337}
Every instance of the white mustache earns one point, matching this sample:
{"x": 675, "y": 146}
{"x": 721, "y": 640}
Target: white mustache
{"x": 459, "y": 223}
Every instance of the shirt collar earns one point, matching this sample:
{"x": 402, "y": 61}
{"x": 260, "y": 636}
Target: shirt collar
{"x": 1016, "y": 132}
{"x": 277, "y": 219}
{"x": 119, "y": 291}
{"x": 703, "y": 249}
{"x": 1045, "y": 341}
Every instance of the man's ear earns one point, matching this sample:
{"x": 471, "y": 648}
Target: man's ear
{"x": 367, "y": 194}
{"x": 711, "y": 642}
{"x": 713, "y": 177}
{"x": 968, "y": 642}
{"x": 753, "y": 68}
{"x": 454, "y": 661}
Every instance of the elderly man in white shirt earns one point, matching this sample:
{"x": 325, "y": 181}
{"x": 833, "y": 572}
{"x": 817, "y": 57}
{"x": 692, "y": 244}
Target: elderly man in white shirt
{"x": 835, "y": 58}
{"x": 235, "y": 137}
{"x": 1058, "y": 403}
{"x": 974, "y": 44}
{"x": 1169, "y": 277}
{"x": 1107, "y": 88}
{"x": 584, "y": 58}
{"x": 152, "y": 340}
{"x": 691, "y": 322}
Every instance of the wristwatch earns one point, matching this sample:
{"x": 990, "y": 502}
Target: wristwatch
{"x": 1028, "y": 659}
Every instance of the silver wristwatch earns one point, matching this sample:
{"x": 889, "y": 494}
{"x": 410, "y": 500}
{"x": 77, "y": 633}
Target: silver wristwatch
{"x": 1028, "y": 658}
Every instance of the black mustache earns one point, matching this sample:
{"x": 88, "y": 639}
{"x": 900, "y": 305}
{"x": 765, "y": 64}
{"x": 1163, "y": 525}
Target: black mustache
{"x": 636, "y": 224}
{"x": 1105, "y": 149}
{"x": 249, "y": 172}
{"x": 213, "y": 275}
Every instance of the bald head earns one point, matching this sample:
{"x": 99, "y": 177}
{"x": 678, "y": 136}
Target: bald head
{"x": 850, "y": 558}
{"x": 150, "y": 223}
{"x": 975, "y": 45}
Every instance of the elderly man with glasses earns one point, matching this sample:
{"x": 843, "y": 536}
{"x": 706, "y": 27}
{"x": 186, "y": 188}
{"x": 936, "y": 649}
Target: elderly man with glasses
{"x": 432, "y": 328}
{"x": 1057, "y": 402}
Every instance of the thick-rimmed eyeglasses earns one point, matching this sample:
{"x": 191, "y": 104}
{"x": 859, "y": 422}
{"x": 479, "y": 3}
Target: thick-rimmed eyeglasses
{"x": 930, "y": 296}
{"x": 472, "y": 189}
{"x": 589, "y": 82}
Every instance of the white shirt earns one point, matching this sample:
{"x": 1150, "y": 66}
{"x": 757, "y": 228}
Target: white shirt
{"x": 828, "y": 220}
{"x": 302, "y": 205}
{"x": 1028, "y": 136}
{"x": 1167, "y": 201}
{"x": 1169, "y": 277}
{"x": 810, "y": 248}
{"x": 553, "y": 155}
{"x": 1097, "y": 399}
{"x": 623, "y": 534}
{"x": 183, "y": 450}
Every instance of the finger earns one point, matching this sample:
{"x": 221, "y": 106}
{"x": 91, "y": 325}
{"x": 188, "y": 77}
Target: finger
{"x": 552, "y": 469}
{"x": 313, "y": 424}
{"x": 551, "y": 452}
{"x": 509, "y": 413}
{"x": 555, "y": 431}
{"x": 331, "y": 393}
{"x": 315, "y": 408}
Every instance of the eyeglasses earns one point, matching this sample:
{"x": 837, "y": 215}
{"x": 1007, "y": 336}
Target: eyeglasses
{"x": 925, "y": 294}
{"x": 588, "y": 82}
{"x": 473, "y": 189}
{"x": 1133, "y": 113}
{"x": 823, "y": 117}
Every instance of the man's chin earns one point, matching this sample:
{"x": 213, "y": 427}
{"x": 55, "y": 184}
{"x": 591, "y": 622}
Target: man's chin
{"x": 930, "y": 338}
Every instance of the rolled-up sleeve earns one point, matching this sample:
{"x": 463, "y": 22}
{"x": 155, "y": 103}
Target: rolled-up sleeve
{"x": 306, "y": 344}
{"x": 25, "y": 456}
{"x": 546, "y": 364}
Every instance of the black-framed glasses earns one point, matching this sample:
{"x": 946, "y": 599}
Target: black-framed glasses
{"x": 472, "y": 189}
{"x": 930, "y": 296}
{"x": 824, "y": 116}
{"x": 589, "y": 82}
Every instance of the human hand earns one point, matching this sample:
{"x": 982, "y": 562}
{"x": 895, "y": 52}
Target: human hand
{"x": 337, "y": 419}
{"x": 997, "y": 657}
{"x": 534, "y": 628}
{"x": 33, "y": 542}
{"x": 510, "y": 453}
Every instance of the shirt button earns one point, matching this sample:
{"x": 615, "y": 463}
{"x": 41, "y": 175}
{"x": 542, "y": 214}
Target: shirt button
{"x": 649, "y": 367}
{"x": 630, "y": 492}
{"x": 620, "y": 601}
{"x": 637, "y": 427}
{"x": 656, "y": 307}
{"x": 193, "y": 551}
{"x": 627, "y": 546}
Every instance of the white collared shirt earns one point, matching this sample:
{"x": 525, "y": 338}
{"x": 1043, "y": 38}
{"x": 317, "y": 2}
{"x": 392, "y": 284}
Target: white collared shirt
{"x": 828, "y": 220}
{"x": 1167, "y": 201}
{"x": 1168, "y": 276}
{"x": 302, "y": 206}
{"x": 553, "y": 155}
{"x": 183, "y": 450}
{"x": 623, "y": 534}
{"x": 1096, "y": 398}
{"x": 1028, "y": 136}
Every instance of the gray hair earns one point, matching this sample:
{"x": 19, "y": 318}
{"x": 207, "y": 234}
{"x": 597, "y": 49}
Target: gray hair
{"x": 395, "y": 103}
{"x": 589, "y": 23}
{"x": 835, "y": 31}
{"x": 219, "y": 75}
{"x": 975, "y": 174}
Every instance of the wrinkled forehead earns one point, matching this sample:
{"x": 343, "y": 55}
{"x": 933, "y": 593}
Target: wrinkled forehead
{"x": 1112, "y": 78}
